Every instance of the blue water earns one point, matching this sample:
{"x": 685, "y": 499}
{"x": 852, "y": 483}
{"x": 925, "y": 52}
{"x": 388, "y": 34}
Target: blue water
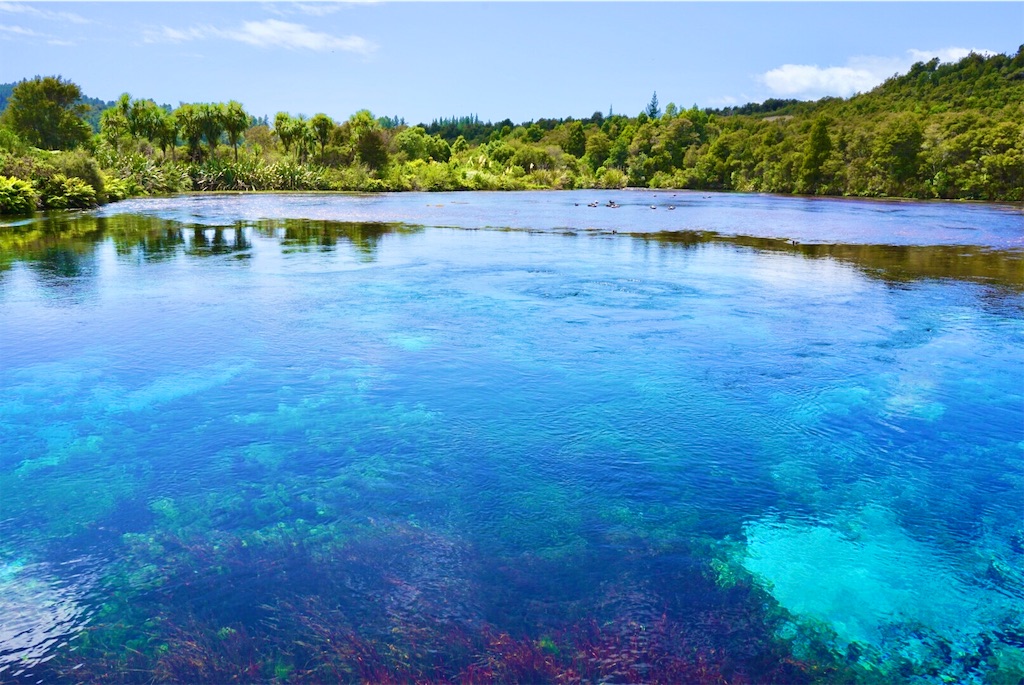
{"x": 511, "y": 437}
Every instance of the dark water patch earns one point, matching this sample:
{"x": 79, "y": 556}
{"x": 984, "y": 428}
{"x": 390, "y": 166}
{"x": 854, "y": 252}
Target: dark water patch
{"x": 400, "y": 603}
{"x": 63, "y": 245}
{"x": 892, "y": 263}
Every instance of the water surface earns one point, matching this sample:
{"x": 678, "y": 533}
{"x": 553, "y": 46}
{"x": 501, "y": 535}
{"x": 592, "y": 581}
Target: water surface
{"x": 512, "y": 438}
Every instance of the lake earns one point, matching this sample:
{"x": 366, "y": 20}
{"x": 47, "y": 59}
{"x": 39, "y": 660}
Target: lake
{"x": 510, "y": 437}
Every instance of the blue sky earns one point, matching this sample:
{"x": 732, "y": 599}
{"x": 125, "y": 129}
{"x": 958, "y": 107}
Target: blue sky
{"x": 518, "y": 60}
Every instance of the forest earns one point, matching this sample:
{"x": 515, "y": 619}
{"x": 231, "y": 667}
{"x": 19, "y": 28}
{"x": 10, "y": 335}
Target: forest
{"x": 942, "y": 130}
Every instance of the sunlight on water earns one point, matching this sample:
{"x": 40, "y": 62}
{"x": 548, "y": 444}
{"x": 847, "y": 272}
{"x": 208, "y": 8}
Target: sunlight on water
{"x": 283, "y": 439}
{"x": 42, "y": 610}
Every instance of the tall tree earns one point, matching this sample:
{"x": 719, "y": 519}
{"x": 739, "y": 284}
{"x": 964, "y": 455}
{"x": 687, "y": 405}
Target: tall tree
{"x": 371, "y": 143}
{"x": 322, "y": 125}
{"x": 653, "y": 109}
{"x": 817, "y": 150}
{"x": 113, "y": 126}
{"x": 236, "y": 121}
{"x": 189, "y": 123}
{"x": 285, "y": 129}
{"x": 598, "y": 147}
{"x": 166, "y": 132}
{"x": 575, "y": 140}
{"x": 897, "y": 149}
{"x": 211, "y": 122}
{"x": 303, "y": 137}
{"x": 143, "y": 118}
{"x": 46, "y": 113}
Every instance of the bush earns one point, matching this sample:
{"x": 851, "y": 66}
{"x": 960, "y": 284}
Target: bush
{"x": 28, "y": 167}
{"x": 10, "y": 141}
{"x": 17, "y": 196}
{"x": 610, "y": 178}
{"x": 436, "y": 176}
{"x": 81, "y": 165}
{"x": 118, "y": 189}
{"x": 62, "y": 192}
{"x": 291, "y": 175}
{"x": 531, "y": 158}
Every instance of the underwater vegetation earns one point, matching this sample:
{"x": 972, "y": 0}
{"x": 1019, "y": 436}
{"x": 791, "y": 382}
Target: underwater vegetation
{"x": 245, "y": 449}
{"x": 401, "y": 604}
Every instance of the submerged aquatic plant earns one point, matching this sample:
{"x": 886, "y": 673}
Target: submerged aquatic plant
{"x": 401, "y": 603}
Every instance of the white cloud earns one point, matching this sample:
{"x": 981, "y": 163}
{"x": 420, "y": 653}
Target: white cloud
{"x": 9, "y": 31}
{"x": 20, "y": 8}
{"x": 315, "y": 8}
{"x": 20, "y": 31}
{"x": 804, "y": 79}
{"x": 276, "y": 33}
{"x": 858, "y": 75}
{"x": 946, "y": 54}
{"x": 318, "y": 9}
{"x": 168, "y": 35}
{"x": 266, "y": 34}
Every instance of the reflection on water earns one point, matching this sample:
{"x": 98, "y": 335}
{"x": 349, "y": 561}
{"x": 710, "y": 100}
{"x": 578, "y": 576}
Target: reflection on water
{"x": 889, "y": 262}
{"x": 306, "y": 450}
{"x": 63, "y": 245}
{"x": 58, "y": 243}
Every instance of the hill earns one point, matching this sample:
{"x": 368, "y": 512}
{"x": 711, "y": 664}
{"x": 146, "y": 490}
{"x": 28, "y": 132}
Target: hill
{"x": 942, "y": 130}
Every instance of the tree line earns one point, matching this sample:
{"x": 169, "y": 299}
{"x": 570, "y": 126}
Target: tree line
{"x": 949, "y": 130}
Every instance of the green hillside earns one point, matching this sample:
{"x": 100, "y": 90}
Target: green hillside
{"x": 952, "y": 131}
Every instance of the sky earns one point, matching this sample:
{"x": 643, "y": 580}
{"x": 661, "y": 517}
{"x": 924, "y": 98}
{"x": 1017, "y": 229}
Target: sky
{"x": 520, "y": 60}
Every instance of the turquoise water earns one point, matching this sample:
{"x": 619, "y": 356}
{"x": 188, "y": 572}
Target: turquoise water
{"x": 509, "y": 437}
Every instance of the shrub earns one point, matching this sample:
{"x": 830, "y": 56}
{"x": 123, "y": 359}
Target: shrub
{"x": 531, "y": 158}
{"x": 118, "y": 189}
{"x": 10, "y": 141}
{"x": 62, "y": 192}
{"x": 17, "y": 196}
{"x": 290, "y": 175}
{"x": 28, "y": 167}
{"x": 610, "y": 178}
{"x": 80, "y": 164}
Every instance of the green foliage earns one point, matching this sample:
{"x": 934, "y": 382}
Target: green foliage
{"x": 17, "y": 196}
{"x": 322, "y": 126}
{"x": 117, "y": 189}
{"x": 598, "y": 148}
{"x": 79, "y": 164}
{"x": 143, "y": 175}
{"x": 897, "y": 152}
{"x": 500, "y": 152}
{"x": 62, "y": 192}
{"x": 414, "y": 143}
{"x": 286, "y": 129}
{"x": 165, "y": 131}
{"x": 212, "y": 117}
{"x": 189, "y": 120}
{"x": 369, "y": 140}
{"x": 235, "y": 121}
{"x": 113, "y": 126}
{"x": 941, "y": 130}
{"x": 816, "y": 152}
{"x": 45, "y": 112}
{"x": 531, "y": 158}
{"x": 653, "y": 110}
{"x": 10, "y": 142}
{"x": 576, "y": 140}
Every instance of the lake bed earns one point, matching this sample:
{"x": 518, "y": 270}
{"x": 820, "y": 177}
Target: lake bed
{"x": 508, "y": 436}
